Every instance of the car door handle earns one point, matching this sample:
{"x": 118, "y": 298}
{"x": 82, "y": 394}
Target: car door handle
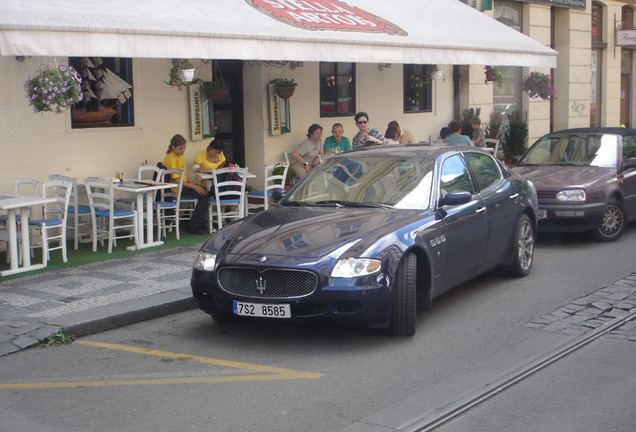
{"x": 514, "y": 196}
{"x": 481, "y": 210}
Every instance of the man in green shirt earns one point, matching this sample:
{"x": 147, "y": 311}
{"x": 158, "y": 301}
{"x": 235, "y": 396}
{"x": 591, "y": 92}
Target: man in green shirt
{"x": 336, "y": 143}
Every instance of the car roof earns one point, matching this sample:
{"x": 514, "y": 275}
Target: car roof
{"x": 421, "y": 150}
{"x": 604, "y": 130}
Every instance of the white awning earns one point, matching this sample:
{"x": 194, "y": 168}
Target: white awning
{"x": 360, "y": 31}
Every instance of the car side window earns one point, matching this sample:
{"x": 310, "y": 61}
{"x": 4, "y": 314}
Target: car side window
{"x": 629, "y": 147}
{"x": 485, "y": 169}
{"x": 455, "y": 176}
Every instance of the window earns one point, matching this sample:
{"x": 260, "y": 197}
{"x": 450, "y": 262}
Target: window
{"x": 337, "y": 89}
{"x": 455, "y": 177}
{"x": 485, "y": 170}
{"x": 417, "y": 87}
{"x": 108, "y": 92}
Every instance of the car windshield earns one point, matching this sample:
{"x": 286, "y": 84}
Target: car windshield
{"x": 362, "y": 180}
{"x": 598, "y": 150}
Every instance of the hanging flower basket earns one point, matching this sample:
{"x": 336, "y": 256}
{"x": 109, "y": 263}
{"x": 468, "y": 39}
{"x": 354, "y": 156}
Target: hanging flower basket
{"x": 284, "y": 87}
{"x": 53, "y": 88}
{"x": 217, "y": 89}
{"x": 538, "y": 85}
{"x": 493, "y": 75}
{"x": 181, "y": 74}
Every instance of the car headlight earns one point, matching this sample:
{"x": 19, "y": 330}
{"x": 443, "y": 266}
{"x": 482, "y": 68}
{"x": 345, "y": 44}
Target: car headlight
{"x": 571, "y": 195}
{"x": 205, "y": 261}
{"x": 355, "y": 267}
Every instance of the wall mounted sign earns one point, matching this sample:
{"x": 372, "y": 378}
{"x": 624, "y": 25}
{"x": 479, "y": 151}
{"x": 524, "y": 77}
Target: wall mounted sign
{"x": 626, "y": 38}
{"x": 196, "y": 112}
{"x": 573, "y": 4}
{"x": 325, "y": 15}
{"x": 279, "y": 116}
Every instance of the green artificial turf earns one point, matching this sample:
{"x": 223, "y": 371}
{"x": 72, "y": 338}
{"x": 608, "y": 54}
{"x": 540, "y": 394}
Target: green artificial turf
{"x": 85, "y": 254}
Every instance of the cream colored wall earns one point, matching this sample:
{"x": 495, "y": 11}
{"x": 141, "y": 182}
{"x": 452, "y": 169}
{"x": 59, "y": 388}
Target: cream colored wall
{"x": 611, "y": 66}
{"x": 35, "y": 145}
{"x": 379, "y": 93}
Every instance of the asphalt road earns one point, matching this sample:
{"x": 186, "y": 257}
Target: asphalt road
{"x": 185, "y": 373}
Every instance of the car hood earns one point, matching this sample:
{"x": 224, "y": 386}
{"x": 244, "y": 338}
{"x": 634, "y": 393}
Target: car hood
{"x": 556, "y": 177}
{"x": 311, "y": 232}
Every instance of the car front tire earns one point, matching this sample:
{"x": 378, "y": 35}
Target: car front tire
{"x": 613, "y": 225}
{"x": 404, "y": 304}
{"x": 523, "y": 248}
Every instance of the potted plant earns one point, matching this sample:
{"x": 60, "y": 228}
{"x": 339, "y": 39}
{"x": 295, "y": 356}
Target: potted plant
{"x": 515, "y": 137}
{"x": 493, "y": 75}
{"x": 181, "y": 74}
{"x": 415, "y": 87}
{"x": 284, "y": 87}
{"x": 291, "y": 178}
{"x": 493, "y": 127}
{"x": 538, "y": 85}
{"x": 53, "y": 88}
{"x": 217, "y": 89}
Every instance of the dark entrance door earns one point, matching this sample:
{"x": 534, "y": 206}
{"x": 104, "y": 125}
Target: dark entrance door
{"x": 228, "y": 114}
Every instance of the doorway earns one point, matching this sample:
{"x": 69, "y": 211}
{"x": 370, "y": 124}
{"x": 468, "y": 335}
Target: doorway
{"x": 228, "y": 113}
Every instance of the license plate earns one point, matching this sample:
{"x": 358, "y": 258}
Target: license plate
{"x": 262, "y": 310}
{"x": 543, "y": 214}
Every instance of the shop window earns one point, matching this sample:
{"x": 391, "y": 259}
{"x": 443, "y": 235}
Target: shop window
{"x": 107, "y": 84}
{"x": 337, "y": 89}
{"x": 417, "y": 88}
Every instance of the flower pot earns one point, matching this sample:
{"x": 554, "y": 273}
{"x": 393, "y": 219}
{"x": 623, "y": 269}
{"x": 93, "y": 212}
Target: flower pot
{"x": 285, "y": 92}
{"x": 188, "y": 74}
{"x": 218, "y": 95}
{"x": 490, "y": 76}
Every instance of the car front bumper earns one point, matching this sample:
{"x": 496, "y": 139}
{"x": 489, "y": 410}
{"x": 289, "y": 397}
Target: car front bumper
{"x": 564, "y": 217}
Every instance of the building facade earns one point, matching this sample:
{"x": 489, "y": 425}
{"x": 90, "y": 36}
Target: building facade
{"x": 593, "y": 84}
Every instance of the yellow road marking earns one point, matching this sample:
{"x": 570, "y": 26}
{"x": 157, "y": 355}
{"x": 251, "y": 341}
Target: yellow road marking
{"x": 268, "y": 373}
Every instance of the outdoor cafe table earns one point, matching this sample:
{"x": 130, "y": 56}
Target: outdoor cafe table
{"x": 145, "y": 191}
{"x": 20, "y": 204}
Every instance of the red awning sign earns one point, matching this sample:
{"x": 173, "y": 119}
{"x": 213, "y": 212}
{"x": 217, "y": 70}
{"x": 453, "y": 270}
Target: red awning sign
{"x": 325, "y": 15}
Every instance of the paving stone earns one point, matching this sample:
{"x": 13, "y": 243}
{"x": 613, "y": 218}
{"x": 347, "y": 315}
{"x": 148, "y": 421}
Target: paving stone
{"x": 25, "y": 342}
{"x": 7, "y": 348}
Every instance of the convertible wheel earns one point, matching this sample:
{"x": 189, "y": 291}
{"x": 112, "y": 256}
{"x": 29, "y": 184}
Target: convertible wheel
{"x": 404, "y": 304}
{"x": 613, "y": 225}
{"x": 523, "y": 249}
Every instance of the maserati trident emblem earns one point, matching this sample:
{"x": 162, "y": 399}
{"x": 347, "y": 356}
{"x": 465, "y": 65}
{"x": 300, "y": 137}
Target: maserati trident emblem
{"x": 263, "y": 259}
{"x": 260, "y": 284}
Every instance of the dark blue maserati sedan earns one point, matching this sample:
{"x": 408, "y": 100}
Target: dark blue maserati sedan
{"x": 371, "y": 236}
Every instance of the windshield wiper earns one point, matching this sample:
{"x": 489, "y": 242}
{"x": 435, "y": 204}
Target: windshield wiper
{"x": 293, "y": 203}
{"x": 340, "y": 203}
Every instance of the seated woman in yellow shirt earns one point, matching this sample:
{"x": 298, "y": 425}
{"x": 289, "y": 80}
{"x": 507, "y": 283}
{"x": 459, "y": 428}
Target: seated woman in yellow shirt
{"x": 174, "y": 160}
{"x": 209, "y": 159}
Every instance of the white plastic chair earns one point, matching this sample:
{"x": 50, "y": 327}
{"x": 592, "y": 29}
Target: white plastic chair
{"x": 167, "y": 206}
{"x": 144, "y": 172}
{"x": 492, "y": 146}
{"x": 81, "y": 214}
{"x": 228, "y": 201}
{"x": 52, "y": 227}
{"x": 22, "y": 186}
{"x": 109, "y": 222}
{"x": 272, "y": 181}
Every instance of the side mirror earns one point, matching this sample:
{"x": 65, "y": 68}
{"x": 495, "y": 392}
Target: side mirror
{"x": 278, "y": 194}
{"x": 455, "y": 198}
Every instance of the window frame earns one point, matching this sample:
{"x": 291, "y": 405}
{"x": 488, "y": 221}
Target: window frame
{"x": 416, "y": 76}
{"x": 331, "y": 83}
{"x": 125, "y": 112}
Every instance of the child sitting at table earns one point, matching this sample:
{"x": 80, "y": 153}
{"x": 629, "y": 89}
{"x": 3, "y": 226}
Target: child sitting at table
{"x": 209, "y": 159}
{"x": 174, "y": 160}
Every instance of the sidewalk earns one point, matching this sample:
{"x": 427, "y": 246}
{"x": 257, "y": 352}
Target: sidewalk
{"x": 94, "y": 297}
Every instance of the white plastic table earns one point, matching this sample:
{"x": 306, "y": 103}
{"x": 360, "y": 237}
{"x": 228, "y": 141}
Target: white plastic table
{"x": 14, "y": 205}
{"x": 145, "y": 191}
